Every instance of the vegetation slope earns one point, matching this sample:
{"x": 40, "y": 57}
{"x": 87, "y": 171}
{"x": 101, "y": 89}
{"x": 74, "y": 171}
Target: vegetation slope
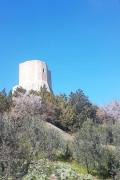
{"x": 46, "y": 136}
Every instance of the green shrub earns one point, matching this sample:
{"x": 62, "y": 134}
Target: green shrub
{"x": 44, "y": 169}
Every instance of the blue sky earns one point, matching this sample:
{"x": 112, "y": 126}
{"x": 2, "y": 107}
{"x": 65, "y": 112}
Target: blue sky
{"x": 79, "y": 39}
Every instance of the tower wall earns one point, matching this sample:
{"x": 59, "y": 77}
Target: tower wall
{"x": 34, "y": 74}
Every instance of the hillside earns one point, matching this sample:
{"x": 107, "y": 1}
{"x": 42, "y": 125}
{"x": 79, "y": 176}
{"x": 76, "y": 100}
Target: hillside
{"x": 65, "y": 136}
{"x": 45, "y": 136}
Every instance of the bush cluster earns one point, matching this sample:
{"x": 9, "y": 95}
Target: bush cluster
{"x": 47, "y": 170}
{"x": 32, "y": 125}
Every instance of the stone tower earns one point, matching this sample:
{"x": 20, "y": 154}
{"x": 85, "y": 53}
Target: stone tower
{"x": 34, "y": 74}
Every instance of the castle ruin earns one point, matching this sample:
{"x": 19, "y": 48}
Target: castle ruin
{"x": 33, "y": 75}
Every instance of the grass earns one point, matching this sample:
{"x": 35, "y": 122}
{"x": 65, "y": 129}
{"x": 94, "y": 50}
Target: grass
{"x": 78, "y": 168}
